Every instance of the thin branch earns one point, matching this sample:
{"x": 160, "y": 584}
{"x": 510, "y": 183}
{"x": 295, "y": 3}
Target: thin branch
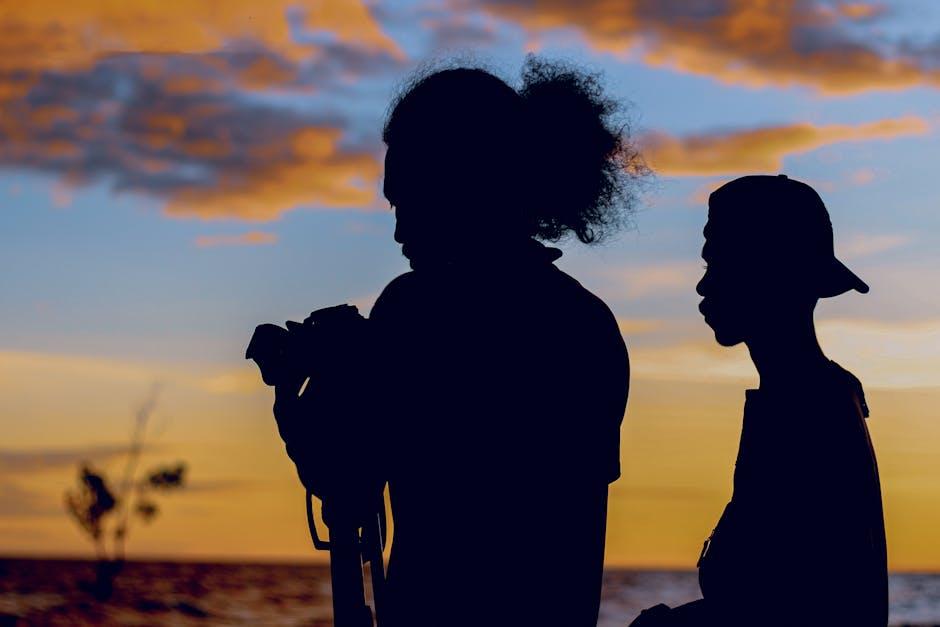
{"x": 130, "y": 468}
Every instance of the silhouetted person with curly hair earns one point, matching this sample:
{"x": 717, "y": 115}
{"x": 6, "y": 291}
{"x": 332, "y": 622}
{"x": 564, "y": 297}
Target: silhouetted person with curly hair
{"x": 495, "y": 382}
{"x": 802, "y": 541}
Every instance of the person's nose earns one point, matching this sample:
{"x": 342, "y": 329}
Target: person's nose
{"x": 700, "y": 287}
{"x": 400, "y": 229}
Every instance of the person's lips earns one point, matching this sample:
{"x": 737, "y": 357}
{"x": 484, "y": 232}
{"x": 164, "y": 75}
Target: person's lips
{"x": 706, "y": 311}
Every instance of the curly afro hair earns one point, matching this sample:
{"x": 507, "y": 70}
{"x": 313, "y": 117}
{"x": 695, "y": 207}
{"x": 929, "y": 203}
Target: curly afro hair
{"x": 557, "y": 148}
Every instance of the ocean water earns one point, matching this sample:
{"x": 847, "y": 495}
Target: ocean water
{"x": 914, "y": 598}
{"x": 50, "y": 592}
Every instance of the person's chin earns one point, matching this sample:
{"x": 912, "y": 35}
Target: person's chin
{"x": 409, "y": 253}
{"x": 726, "y": 338}
{"x": 723, "y": 335}
{"x": 423, "y": 256}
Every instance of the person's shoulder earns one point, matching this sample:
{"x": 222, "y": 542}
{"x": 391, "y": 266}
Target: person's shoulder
{"x": 400, "y": 291}
{"x": 834, "y": 410}
{"x": 593, "y": 322}
{"x": 849, "y": 386}
{"x": 402, "y": 284}
{"x": 587, "y": 302}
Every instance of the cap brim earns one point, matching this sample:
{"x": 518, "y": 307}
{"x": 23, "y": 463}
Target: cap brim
{"x": 838, "y": 279}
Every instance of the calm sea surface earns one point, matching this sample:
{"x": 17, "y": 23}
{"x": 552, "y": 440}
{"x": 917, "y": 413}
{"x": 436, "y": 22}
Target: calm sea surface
{"x": 49, "y": 592}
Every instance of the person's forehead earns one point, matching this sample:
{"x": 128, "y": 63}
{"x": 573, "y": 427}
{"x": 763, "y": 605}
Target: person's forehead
{"x": 722, "y": 235}
{"x": 727, "y": 240}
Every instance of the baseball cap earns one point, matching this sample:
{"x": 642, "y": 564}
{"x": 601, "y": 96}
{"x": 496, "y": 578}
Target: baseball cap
{"x": 783, "y": 222}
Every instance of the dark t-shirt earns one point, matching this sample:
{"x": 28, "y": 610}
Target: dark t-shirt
{"x": 802, "y": 540}
{"x": 503, "y": 389}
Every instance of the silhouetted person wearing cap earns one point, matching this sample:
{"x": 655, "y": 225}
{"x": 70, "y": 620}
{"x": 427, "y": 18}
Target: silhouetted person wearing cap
{"x": 495, "y": 384}
{"x": 802, "y": 541}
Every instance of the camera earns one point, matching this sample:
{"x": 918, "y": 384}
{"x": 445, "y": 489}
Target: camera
{"x": 318, "y": 367}
{"x": 327, "y": 339}
{"x": 329, "y": 348}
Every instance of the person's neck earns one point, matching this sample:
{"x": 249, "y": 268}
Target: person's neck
{"x": 787, "y": 356}
{"x": 503, "y": 253}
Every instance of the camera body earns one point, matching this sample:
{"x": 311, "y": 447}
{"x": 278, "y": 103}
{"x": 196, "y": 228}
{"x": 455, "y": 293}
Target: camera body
{"x": 327, "y": 339}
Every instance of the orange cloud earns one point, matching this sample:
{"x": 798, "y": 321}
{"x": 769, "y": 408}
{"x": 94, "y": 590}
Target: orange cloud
{"x": 204, "y": 154}
{"x": 251, "y": 238}
{"x": 750, "y": 42}
{"x": 656, "y": 279}
{"x": 887, "y": 354}
{"x": 152, "y": 98}
{"x": 43, "y": 459}
{"x": 692, "y": 361}
{"x": 883, "y": 354}
{"x": 864, "y": 245}
{"x": 61, "y": 196}
{"x": 761, "y": 149}
{"x": 860, "y": 10}
{"x": 67, "y": 35}
{"x": 308, "y": 169}
{"x": 862, "y": 176}
{"x": 638, "y": 326}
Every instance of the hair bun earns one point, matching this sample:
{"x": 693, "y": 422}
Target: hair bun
{"x": 583, "y": 164}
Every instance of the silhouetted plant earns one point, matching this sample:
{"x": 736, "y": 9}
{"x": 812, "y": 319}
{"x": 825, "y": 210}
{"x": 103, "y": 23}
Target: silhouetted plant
{"x": 90, "y": 503}
{"x": 104, "y": 513}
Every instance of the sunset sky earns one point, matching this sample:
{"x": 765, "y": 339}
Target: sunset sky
{"x": 173, "y": 173}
